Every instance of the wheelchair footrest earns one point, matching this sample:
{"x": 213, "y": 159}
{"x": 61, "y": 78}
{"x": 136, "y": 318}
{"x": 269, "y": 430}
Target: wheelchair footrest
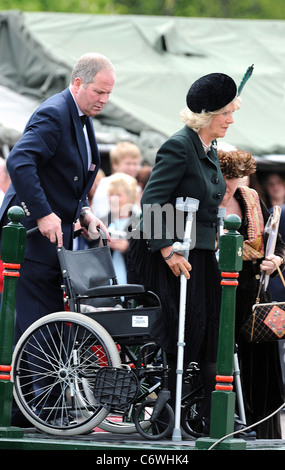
{"x": 115, "y": 388}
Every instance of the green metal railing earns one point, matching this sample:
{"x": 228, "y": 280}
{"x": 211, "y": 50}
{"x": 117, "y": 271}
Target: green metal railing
{"x": 12, "y": 255}
{"x": 223, "y": 398}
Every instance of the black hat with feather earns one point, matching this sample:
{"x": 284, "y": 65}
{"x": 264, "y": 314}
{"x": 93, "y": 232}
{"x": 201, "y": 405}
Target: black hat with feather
{"x": 214, "y": 91}
{"x": 211, "y": 92}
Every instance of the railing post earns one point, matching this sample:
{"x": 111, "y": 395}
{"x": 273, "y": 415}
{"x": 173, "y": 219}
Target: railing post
{"x": 223, "y": 398}
{"x": 12, "y": 254}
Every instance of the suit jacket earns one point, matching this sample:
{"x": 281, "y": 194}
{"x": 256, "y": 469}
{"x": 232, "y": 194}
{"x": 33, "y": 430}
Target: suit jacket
{"x": 49, "y": 171}
{"x": 183, "y": 169}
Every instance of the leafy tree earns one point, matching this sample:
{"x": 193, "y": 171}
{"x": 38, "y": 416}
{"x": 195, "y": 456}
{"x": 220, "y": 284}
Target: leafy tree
{"x": 259, "y": 9}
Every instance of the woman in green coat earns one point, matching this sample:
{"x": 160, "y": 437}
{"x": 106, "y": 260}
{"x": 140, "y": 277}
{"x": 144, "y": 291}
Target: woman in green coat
{"x": 187, "y": 166}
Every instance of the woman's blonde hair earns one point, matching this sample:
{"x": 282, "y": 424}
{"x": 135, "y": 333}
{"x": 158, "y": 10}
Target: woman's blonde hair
{"x": 126, "y": 182}
{"x": 198, "y": 121}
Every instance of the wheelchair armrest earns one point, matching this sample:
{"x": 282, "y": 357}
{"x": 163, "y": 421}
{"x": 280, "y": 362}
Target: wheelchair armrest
{"x": 116, "y": 290}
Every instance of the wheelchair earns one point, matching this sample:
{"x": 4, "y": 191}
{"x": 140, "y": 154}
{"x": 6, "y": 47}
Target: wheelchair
{"x": 95, "y": 364}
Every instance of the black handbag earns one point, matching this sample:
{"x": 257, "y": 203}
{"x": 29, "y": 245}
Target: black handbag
{"x": 267, "y": 321}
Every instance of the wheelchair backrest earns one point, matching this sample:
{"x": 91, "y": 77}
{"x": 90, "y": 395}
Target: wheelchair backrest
{"x": 86, "y": 269}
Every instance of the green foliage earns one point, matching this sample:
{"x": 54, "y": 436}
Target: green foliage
{"x": 63, "y": 6}
{"x": 252, "y": 9}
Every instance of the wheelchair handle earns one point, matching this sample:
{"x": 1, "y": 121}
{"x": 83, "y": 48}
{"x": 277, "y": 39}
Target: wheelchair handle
{"x": 76, "y": 234}
{"x": 31, "y": 231}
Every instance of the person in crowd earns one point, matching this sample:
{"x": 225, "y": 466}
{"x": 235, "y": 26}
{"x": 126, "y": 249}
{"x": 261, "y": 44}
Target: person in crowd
{"x": 274, "y": 186}
{"x": 4, "y": 179}
{"x": 187, "y": 166}
{"x": 125, "y": 157}
{"x": 4, "y": 185}
{"x": 142, "y": 179}
{"x": 122, "y": 193}
{"x": 100, "y": 175}
{"x": 52, "y": 168}
{"x": 81, "y": 242}
{"x": 260, "y": 367}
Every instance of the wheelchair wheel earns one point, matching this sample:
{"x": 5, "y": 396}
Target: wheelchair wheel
{"x": 160, "y": 428}
{"x": 191, "y": 421}
{"x": 110, "y": 424}
{"x": 54, "y": 366}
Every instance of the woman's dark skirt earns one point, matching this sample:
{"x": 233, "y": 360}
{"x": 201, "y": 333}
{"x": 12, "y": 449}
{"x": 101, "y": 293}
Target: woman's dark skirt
{"x": 202, "y": 303}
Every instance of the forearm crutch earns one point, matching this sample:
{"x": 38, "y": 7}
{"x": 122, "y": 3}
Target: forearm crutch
{"x": 190, "y": 205}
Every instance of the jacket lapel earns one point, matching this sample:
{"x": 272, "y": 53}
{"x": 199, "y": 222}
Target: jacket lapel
{"x": 80, "y": 138}
{"x": 91, "y": 171}
{"x": 211, "y": 155}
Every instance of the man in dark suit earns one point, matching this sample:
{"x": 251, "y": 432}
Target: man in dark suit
{"x": 52, "y": 167}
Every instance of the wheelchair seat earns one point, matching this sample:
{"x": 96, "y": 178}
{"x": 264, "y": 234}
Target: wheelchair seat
{"x": 126, "y": 311}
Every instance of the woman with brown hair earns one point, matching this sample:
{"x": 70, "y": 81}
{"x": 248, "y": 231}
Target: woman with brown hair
{"x": 261, "y": 374}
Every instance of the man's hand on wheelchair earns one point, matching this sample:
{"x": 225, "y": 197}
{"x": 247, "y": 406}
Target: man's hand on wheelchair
{"x": 50, "y": 227}
{"x": 90, "y": 226}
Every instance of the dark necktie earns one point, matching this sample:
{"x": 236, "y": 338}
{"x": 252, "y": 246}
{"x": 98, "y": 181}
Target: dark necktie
{"x": 83, "y": 119}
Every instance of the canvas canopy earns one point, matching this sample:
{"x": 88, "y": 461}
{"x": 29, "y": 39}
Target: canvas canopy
{"x": 156, "y": 60}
